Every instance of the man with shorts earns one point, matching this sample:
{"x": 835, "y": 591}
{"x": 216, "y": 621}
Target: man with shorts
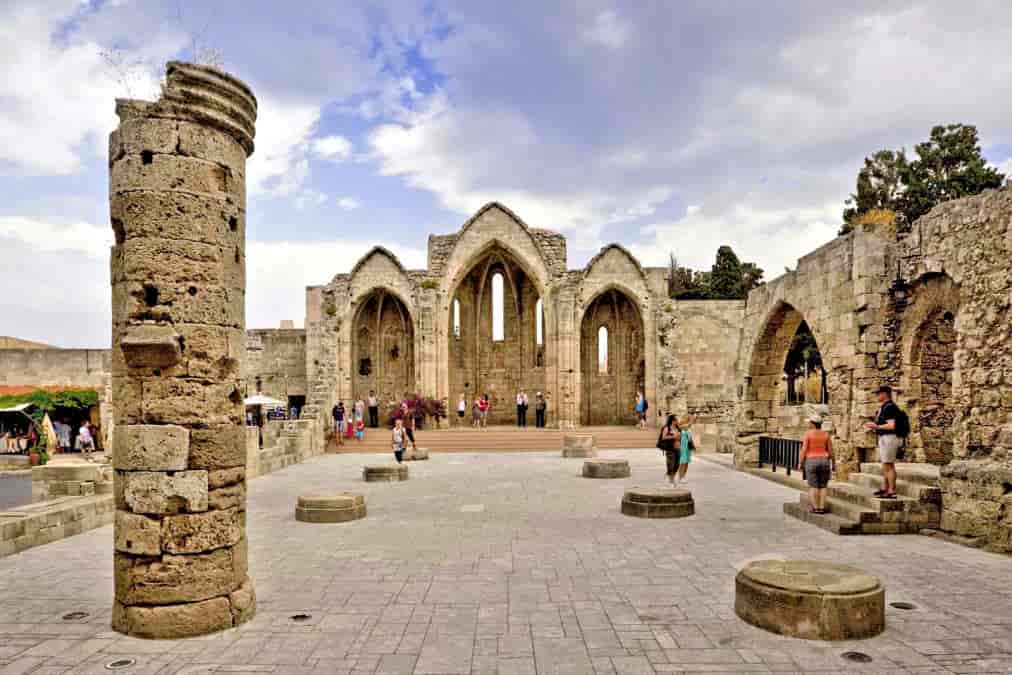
{"x": 889, "y": 441}
{"x": 339, "y": 421}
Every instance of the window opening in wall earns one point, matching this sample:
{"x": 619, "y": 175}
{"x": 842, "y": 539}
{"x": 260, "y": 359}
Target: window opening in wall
{"x": 456, "y": 318}
{"x": 803, "y": 371}
{"x": 539, "y": 324}
{"x": 498, "y": 320}
{"x": 602, "y": 350}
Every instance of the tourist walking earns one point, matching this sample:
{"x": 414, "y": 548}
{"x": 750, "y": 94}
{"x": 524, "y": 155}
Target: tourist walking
{"x": 476, "y": 413}
{"x": 816, "y": 461}
{"x": 483, "y": 407}
{"x": 397, "y": 440}
{"x": 686, "y": 445}
{"x": 461, "y": 410}
{"x": 641, "y": 410}
{"x": 85, "y": 441}
{"x": 373, "y": 404}
{"x": 522, "y": 405}
{"x": 540, "y": 406}
{"x": 339, "y": 420}
{"x": 891, "y": 425}
{"x": 667, "y": 443}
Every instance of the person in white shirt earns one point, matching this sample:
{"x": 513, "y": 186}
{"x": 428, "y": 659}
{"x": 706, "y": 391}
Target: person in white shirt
{"x": 85, "y": 440}
{"x": 373, "y": 404}
{"x": 461, "y": 409}
{"x": 522, "y": 403}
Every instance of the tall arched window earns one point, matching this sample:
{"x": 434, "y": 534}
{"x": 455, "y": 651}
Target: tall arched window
{"x": 456, "y": 318}
{"x": 602, "y": 350}
{"x": 498, "y": 320}
{"x": 539, "y": 324}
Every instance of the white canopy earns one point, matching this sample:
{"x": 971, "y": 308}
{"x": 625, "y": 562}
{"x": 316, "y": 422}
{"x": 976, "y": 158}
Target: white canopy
{"x": 17, "y": 408}
{"x": 260, "y": 399}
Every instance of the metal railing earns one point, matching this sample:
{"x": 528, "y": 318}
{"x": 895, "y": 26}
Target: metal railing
{"x": 779, "y": 452}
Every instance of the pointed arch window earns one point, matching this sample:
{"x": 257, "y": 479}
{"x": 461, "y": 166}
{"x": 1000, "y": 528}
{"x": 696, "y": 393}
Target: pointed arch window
{"x": 602, "y": 350}
{"x": 498, "y": 318}
{"x": 456, "y": 318}
{"x": 539, "y": 323}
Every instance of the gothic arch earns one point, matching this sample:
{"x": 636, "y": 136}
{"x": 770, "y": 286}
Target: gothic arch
{"x": 608, "y": 397}
{"x": 382, "y": 346}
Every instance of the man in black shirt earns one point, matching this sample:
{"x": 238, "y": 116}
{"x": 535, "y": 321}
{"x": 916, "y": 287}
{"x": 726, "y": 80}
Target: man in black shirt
{"x": 338, "y": 413}
{"x": 889, "y": 442}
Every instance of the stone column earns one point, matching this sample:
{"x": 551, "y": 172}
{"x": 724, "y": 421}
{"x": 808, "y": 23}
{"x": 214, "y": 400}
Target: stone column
{"x": 177, "y": 175}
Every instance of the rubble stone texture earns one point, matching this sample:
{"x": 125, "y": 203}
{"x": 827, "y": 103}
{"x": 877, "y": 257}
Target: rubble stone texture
{"x": 578, "y": 446}
{"x": 178, "y": 206}
{"x": 810, "y": 599}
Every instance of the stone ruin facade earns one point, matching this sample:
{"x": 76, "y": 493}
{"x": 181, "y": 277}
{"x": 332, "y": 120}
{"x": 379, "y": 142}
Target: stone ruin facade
{"x": 178, "y": 209}
{"x": 589, "y": 339}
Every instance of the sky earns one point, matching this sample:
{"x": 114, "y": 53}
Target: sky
{"x": 669, "y": 127}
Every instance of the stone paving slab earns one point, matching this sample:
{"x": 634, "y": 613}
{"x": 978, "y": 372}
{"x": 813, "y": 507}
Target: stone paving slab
{"x": 548, "y": 577}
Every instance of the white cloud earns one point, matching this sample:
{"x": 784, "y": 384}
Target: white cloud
{"x": 333, "y": 148}
{"x": 56, "y": 98}
{"x": 91, "y": 240}
{"x": 278, "y": 272}
{"x": 348, "y": 203}
{"x": 279, "y": 166}
{"x": 307, "y": 199}
{"x": 609, "y": 29}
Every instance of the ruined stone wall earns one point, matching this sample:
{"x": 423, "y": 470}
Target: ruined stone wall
{"x": 277, "y": 359}
{"x": 74, "y": 368}
{"x": 178, "y": 211}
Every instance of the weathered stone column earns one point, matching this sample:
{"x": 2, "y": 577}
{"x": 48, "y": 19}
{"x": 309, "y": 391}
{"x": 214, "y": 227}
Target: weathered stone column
{"x": 177, "y": 174}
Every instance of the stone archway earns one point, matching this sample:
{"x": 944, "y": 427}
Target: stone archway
{"x": 382, "y": 348}
{"x": 786, "y": 382}
{"x": 612, "y": 359}
{"x": 929, "y": 329}
{"x": 492, "y": 332}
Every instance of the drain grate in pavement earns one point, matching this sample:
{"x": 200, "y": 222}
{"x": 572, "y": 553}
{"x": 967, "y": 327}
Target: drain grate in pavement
{"x": 856, "y": 657}
{"x": 903, "y": 605}
{"x": 300, "y": 617}
{"x": 120, "y": 664}
{"x": 75, "y": 616}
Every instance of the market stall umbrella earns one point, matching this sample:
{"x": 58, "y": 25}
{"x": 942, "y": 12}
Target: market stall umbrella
{"x": 260, "y": 399}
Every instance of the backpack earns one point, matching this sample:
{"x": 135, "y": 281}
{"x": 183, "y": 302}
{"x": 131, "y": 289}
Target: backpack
{"x": 902, "y": 423}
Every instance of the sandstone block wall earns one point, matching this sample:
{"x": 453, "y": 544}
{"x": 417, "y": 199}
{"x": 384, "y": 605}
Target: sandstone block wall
{"x": 276, "y": 358}
{"x": 177, "y": 203}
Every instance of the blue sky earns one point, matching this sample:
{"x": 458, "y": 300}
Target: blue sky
{"x": 664, "y": 126}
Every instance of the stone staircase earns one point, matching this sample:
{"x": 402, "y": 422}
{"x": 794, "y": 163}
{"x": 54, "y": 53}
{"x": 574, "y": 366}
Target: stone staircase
{"x": 499, "y": 439}
{"x": 854, "y": 509}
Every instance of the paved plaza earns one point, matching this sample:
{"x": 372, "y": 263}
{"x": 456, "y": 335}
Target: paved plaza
{"x": 514, "y": 564}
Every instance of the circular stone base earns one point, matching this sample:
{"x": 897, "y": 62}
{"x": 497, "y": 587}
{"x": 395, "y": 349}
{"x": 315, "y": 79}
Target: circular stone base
{"x": 658, "y": 503}
{"x": 416, "y": 454}
{"x": 578, "y": 446}
{"x": 808, "y": 599}
{"x": 338, "y": 508}
{"x": 385, "y": 473}
{"x": 606, "y": 468}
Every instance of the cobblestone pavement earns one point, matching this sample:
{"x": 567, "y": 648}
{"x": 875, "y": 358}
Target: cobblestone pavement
{"x": 513, "y": 564}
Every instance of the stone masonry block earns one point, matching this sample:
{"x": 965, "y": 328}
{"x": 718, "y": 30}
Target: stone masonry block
{"x": 198, "y": 532}
{"x": 137, "y": 534}
{"x": 225, "y": 477}
{"x": 151, "y": 447}
{"x": 174, "y": 621}
{"x": 173, "y": 172}
{"x": 149, "y": 346}
{"x": 178, "y": 215}
{"x": 159, "y": 493}
{"x": 196, "y": 140}
{"x": 175, "y": 578}
{"x": 243, "y": 602}
{"x": 191, "y": 402}
{"x": 218, "y": 447}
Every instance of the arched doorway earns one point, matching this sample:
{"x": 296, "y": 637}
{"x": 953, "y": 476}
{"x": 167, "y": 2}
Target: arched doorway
{"x": 928, "y": 365}
{"x": 786, "y": 381}
{"x": 612, "y": 359}
{"x": 496, "y": 340}
{"x": 383, "y": 351}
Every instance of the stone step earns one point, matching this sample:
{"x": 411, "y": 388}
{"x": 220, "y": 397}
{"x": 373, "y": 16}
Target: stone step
{"x": 827, "y": 521}
{"x": 865, "y": 497}
{"x": 847, "y": 510}
{"x": 922, "y": 474}
{"x": 923, "y": 493}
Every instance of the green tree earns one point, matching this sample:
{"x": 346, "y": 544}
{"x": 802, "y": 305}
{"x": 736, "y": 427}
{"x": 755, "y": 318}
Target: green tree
{"x": 726, "y": 275}
{"x": 947, "y": 166}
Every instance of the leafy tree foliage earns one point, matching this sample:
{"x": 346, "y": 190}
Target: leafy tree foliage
{"x": 728, "y": 279}
{"x": 947, "y": 166}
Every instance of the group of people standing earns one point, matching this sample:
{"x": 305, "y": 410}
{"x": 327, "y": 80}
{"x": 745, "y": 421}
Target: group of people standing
{"x": 352, "y": 424}
{"x": 677, "y": 444}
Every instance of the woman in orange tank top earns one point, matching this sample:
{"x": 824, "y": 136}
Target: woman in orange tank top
{"x": 816, "y": 460}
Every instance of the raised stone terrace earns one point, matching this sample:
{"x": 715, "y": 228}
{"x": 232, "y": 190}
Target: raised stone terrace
{"x": 514, "y": 563}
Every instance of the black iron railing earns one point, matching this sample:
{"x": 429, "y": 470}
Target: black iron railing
{"x": 779, "y": 452}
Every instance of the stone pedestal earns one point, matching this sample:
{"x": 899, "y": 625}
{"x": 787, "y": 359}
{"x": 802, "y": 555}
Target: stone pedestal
{"x": 71, "y": 478}
{"x": 810, "y": 599}
{"x": 606, "y": 468}
{"x": 418, "y": 454}
{"x": 658, "y": 503}
{"x": 177, "y": 198}
{"x": 337, "y": 508}
{"x": 578, "y": 446}
{"x": 385, "y": 473}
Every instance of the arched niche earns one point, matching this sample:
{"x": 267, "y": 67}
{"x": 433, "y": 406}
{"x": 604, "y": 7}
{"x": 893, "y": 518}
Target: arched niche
{"x": 608, "y": 389}
{"x": 382, "y": 350}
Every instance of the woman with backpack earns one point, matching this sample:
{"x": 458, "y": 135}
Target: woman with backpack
{"x": 667, "y": 443}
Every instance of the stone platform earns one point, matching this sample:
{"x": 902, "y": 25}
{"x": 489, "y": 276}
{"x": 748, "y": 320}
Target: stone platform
{"x": 606, "y": 468}
{"x": 578, "y": 446}
{"x": 384, "y": 473}
{"x": 335, "y": 508}
{"x": 658, "y": 503}
{"x": 808, "y": 599}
